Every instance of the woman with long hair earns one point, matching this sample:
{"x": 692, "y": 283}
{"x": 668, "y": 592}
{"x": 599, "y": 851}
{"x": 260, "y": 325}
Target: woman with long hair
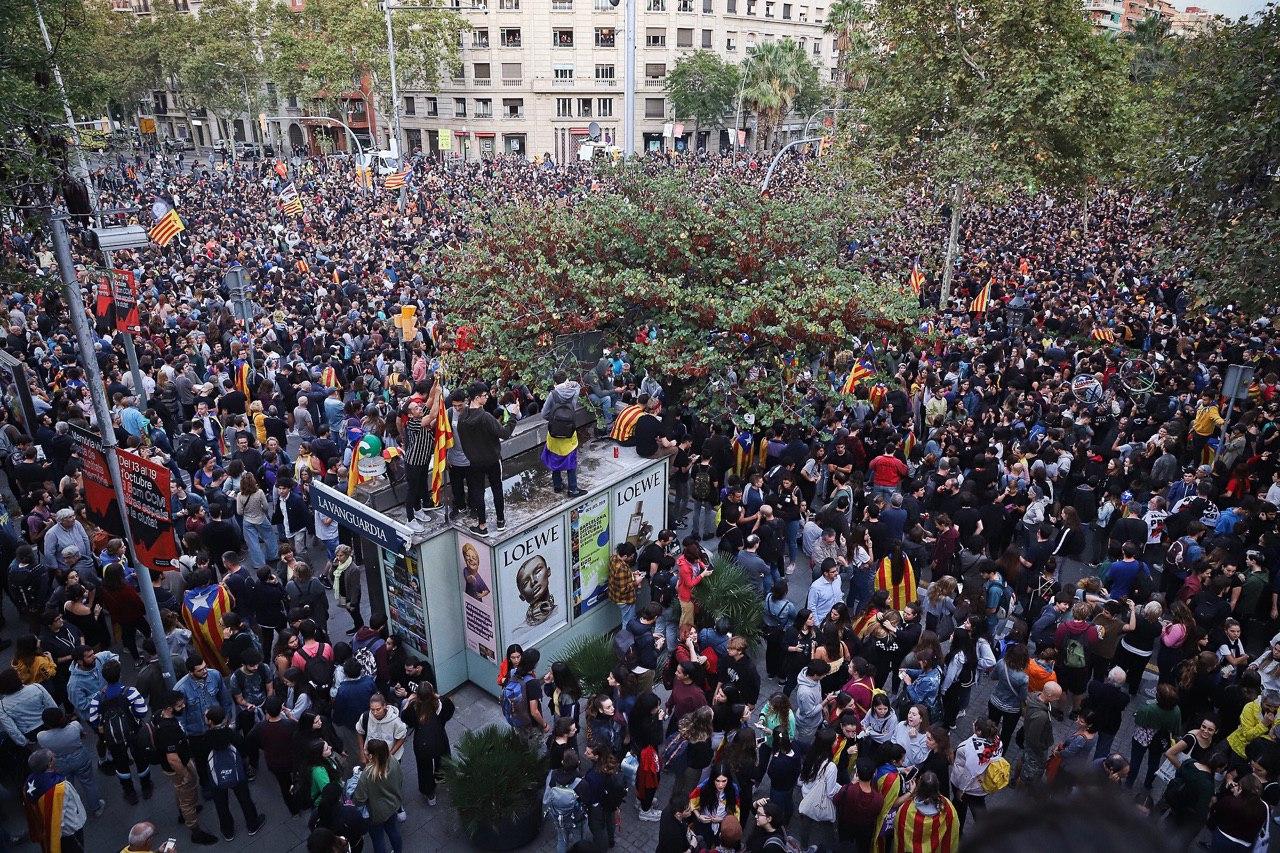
{"x": 834, "y": 651}
{"x": 33, "y": 665}
{"x": 603, "y": 791}
{"x": 426, "y": 712}
{"x": 938, "y": 761}
{"x": 124, "y": 605}
{"x": 775, "y": 716}
{"x": 911, "y": 734}
{"x": 1179, "y": 640}
{"x": 563, "y": 737}
{"x": 815, "y": 820}
{"x": 1154, "y": 726}
{"x": 927, "y": 822}
{"x": 897, "y": 577}
{"x": 318, "y": 770}
{"x": 696, "y": 729}
{"x": 779, "y": 613}
{"x": 880, "y": 723}
{"x": 254, "y": 509}
{"x": 798, "y": 642}
{"x": 510, "y": 661}
{"x": 1009, "y": 695}
{"x": 960, "y": 674}
{"x": 605, "y": 727}
{"x": 939, "y": 606}
{"x": 564, "y": 690}
{"x": 64, "y": 736}
{"x": 380, "y": 789}
{"x": 1198, "y": 682}
{"x": 286, "y": 645}
{"x": 646, "y": 739}
{"x": 713, "y": 801}
{"x": 922, "y": 683}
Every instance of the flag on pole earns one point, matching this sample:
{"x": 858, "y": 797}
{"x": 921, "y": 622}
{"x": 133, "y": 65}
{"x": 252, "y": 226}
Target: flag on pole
{"x": 168, "y": 225}
{"x": 364, "y": 177}
{"x": 742, "y": 456}
{"x": 202, "y": 611}
{"x": 979, "y": 303}
{"x": 444, "y": 440}
{"x": 860, "y": 371}
{"x": 289, "y": 201}
{"x": 397, "y": 180}
{"x": 43, "y": 798}
{"x": 916, "y": 279}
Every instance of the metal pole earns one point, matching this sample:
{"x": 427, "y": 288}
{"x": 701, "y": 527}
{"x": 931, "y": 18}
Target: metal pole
{"x": 395, "y": 101}
{"x": 742, "y": 84}
{"x": 355, "y": 139}
{"x": 102, "y": 413}
{"x": 79, "y": 166}
{"x": 768, "y": 176}
{"x": 629, "y": 79}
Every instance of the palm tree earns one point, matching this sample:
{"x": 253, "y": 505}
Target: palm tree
{"x": 1150, "y": 39}
{"x": 775, "y": 76}
{"x": 847, "y": 21}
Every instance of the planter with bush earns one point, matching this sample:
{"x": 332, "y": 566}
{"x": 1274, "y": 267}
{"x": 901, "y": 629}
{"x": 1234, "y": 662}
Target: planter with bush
{"x": 495, "y": 780}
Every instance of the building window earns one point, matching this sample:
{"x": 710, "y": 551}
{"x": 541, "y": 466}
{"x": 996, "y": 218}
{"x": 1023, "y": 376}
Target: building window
{"x": 513, "y": 107}
{"x": 433, "y": 107}
{"x": 706, "y": 39}
{"x": 181, "y": 5}
{"x": 751, "y": 7}
{"x": 730, "y": 42}
{"x": 509, "y": 5}
{"x": 731, "y": 6}
{"x": 511, "y": 75}
{"x": 655, "y": 37}
{"x": 562, "y": 37}
{"x": 410, "y": 105}
{"x": 564, "y": 107}
{"x": 584, "y": 108}
{"x": 654, "y": 73}
{"x": 509, "y": 37}
{"x": 563, "y": 75}
{"x": 606, "y": 75}
{"x": 484, "y": 108}
{"x": 460, "y": 107}
{"x": 604, "y": 107}
{"x": 804, "y": 14}
{"x": 657, "y": 5}
{"x": 655, "y": 108}
{"x": 606, "y": 36}
{"x": 479, "y": 38}
{"x": 786, "y": 11}
{"x": 707, "y": 8}
{"x": 684, "y": 5}
{"x": 768, "y": 10}
{"x": 817, "y": 47}
{"x": 604, "y": 6}
{"x": 684, "y": 37}
{"x": 561, "y": 5}
{"x": 481, "y": 73}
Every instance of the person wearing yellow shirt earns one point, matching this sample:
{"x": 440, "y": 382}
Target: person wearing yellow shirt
{"x": 1256, "y": 721}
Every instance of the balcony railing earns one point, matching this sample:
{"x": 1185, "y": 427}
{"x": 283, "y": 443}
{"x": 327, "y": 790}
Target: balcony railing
{"x": 655, "y": 82}
{"x": 482, "y": 82}
{"x": 513, "y": 81}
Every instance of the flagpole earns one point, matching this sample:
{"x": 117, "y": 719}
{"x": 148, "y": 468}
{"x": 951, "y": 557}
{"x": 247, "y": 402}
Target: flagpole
{"x": 102, "y": 413}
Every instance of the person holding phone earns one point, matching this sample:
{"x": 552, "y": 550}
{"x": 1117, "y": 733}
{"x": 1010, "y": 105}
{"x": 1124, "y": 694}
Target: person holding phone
{"x": 142, "y": 840}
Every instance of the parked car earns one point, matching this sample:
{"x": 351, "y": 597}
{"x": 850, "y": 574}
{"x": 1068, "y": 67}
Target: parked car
{"x": 181, "y": 143}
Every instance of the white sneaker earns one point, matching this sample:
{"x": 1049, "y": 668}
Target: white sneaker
{"x": 418, "y": 526}
{"x": 652, "y": 815}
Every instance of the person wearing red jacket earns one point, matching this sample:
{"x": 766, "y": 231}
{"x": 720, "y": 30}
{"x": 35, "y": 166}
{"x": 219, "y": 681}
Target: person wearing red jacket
{"x": 692, "y": 569}
{"x": 1073, "y": 640}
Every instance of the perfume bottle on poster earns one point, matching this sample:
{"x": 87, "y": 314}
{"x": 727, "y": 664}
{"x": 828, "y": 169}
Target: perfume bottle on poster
{"x": 638, "y": 529}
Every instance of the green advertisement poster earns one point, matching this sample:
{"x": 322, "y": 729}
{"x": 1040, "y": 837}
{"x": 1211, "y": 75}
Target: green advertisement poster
{"x": 589, "y": 549}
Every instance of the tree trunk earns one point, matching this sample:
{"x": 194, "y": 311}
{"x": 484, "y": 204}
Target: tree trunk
{"x": 953, "y": 242}
{"x": 1084, "y": 213}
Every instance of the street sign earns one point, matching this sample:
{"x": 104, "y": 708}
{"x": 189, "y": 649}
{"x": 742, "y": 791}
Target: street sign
{"x": 1235, "y": 385}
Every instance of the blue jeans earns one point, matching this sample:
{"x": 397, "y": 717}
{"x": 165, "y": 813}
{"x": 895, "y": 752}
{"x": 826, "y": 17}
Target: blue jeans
{"x": 389, "y": 830}
{"x": 557, "y": 482}
{"x": 262, "y": 542}
{"x": 605, "y": 402}
{"x": 666, "y": 626}
{"x": 793, "y": 533}
{"x": 628, "y": 613}
{"x": 331, "y": 547}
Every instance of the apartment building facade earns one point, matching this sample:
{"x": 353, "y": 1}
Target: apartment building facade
{"x": 534, "y": 74}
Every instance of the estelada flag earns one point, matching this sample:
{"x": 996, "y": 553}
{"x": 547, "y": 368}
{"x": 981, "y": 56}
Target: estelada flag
{"x": 202, "y": 611}
{"x": 908, "y": 445}
{"x": 1101, "y": 334}
{"x": 876, "y": 395}
{"x": 915, "y": 831}
{"x": 329, "y": 377}
{"x": 624, "y": 425}
{"x": 916, "y": 279}
{"x": 860, "y": 371}
{"x": 43, "y": 799}
{"x": 240, "y": 376}
{"x": 397, "y": 180}
{"x": 979, "y": 303}
{"x": 444, "y": 440}
{"x": 903, "y": 592}
{"x": 166, "y": 228}
{"x": 742, "y": 444}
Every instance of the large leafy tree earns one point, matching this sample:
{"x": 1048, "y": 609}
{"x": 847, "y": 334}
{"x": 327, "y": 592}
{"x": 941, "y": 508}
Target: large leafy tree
{"x": 1215, "y": 154}
{"x": 849, "y": 22}
{"x": 729, "y": 280}
{"x": 989, "y": 95}
{"x": 702, "y": 87}
{"x": 780, "y": 77}
{"x": 336, "y": 47}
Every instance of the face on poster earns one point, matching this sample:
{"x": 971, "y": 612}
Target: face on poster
{"x": 589, "y": 552}
{"x": 477, "y": 599}
{"x": 531, "y": 583}
{"x": 639, "y": 507}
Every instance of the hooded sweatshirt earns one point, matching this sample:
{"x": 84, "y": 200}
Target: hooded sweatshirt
{"x": 481, "y": 435}
{"x": 564, "y": 392}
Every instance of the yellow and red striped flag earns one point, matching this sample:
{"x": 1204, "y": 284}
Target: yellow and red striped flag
{"x": 916, "y": 279}
{"x": 860, "y": 371}
{"x": 240, "y": 377}
{"x": 289, "y": 201}
{"x": 166, "y": 228}
{"x": 979, "y": 303}
{"x": 917, "y": 831}
{"x": 302, "y": 266}
{"x": 44, "y": 797}
{"x": 876, "y": 395}
{"x": 1105, "y": 335}
{"x": 364, "y": 177}
{"x": 202, "y": 611}
{"x": 397, "y": 180}
{"x": 1024, "y": 266}
{"x": 908, "y": 445}
{"x": 624, "y": 425}
{"x": 444, "y": 440}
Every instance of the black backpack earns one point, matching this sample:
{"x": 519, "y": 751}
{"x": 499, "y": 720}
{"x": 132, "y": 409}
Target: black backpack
{"x": 562, "y": 422}
{"x": 318, "y": 669}
{"x": 115, "y": 714}
{"x": 189, "y": 450}
{"x": 26, "y": 588}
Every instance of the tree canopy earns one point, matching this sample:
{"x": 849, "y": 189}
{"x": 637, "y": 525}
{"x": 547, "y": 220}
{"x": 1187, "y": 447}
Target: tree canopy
{"x": 703, "y": 87}
{"x": 780, "y": 78}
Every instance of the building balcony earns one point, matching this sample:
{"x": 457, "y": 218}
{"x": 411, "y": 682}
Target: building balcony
{"x": 482, "y": 82}
{"x": 655, "y": 82}
{"x": 512, "y": 82}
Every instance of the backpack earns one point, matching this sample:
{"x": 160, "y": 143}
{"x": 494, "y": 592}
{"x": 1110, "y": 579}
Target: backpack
{"x": 367, "y": 657}
{"x": 700, "y": 488}
{"x": 783, "y": 843}
{"x": 317, "y": 669}
{"x": 116, "y": 719}
{"x": 624, "y": 647}
{"x": 996, "y": 776}
{"x": 515, "y": 705}
{"x": 25, "y": 588}
{"x": 673, "y": 748}
{"x": 561, "y": 804}
{"x": 226, "y": 768}
{"x": 1175, "y": 558}
{"x": 144, "y": 745}
{"x": 662, "y": 587}
{"x": 189, "y": 450}
{"x": 562, "y": 422}
{"x": 1073, "y": 654}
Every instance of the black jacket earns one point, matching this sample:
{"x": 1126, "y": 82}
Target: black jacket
{"x": 481, "y": 435}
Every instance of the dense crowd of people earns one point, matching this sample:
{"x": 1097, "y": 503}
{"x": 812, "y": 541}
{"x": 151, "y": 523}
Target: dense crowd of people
{"x": 1033, "y": 527}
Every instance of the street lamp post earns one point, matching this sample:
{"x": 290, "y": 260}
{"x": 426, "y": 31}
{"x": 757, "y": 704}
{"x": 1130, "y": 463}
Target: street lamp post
{"x": 809, "y": 121}
{"x": 768, "y": 176}
{"x": 351, "y": 133}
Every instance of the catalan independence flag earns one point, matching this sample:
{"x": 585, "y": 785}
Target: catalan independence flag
{"x": 624, "y": 425}
{"x": 876, "y": 395}
{"x": 240, "y": 376}
{"x": 916, "y": 279}
{"x": 202, "y": 611}
{"x": 444, "y": 440}
{"x": 908, "y": 445}
{"x": 364, "y": 177}
{"x": 1104, "y": 335}
{"x": 915, "y": 831}
{"x": 903, "y": 592}
{"x": 860, "y": 371}
{"x": 166, "y": 228}
{"x": 289, "y": 201}
{"x": 397, "y": 180}
{"x": 742, "y": 455}
{"x": 43, "y": 798}
{"x": 979, "y": 303}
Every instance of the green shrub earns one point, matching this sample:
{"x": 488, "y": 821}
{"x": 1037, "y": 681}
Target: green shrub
{"x": 493, "y": 776}
{"x": 591, "y": 658}
{"x": 729, "y": 592}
